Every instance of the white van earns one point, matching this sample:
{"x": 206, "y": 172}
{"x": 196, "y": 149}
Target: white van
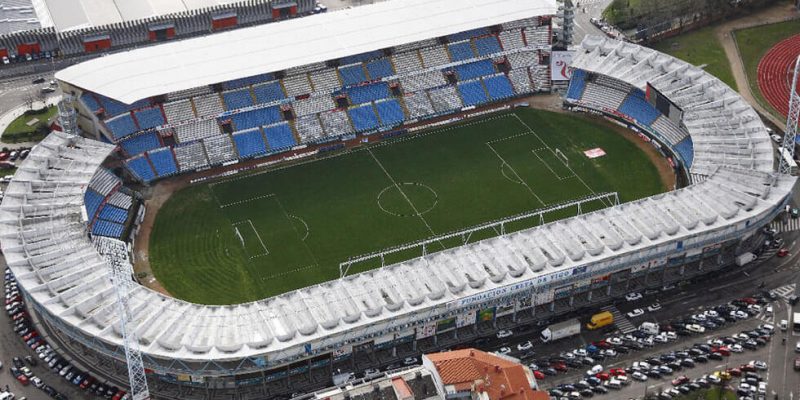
{"x": 614, "y": 383}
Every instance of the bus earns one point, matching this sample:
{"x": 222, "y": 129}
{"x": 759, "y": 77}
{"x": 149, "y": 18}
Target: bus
{"x": 796, "y": 322}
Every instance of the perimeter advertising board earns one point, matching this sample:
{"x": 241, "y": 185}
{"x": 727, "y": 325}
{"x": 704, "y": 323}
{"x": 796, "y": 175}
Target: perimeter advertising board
{"x": 559, "y": 65}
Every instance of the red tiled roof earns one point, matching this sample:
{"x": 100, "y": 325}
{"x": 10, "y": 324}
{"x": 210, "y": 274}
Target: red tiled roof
{"x": 474, "y": 369}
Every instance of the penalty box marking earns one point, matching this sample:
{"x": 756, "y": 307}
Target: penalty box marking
{"x": 248, "y": 222}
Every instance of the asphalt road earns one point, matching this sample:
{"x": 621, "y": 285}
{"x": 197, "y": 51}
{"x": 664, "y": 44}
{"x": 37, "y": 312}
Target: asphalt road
{"x": 586, "y": 9}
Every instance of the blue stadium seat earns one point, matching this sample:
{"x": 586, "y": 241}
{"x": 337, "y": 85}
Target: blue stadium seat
{"x": 279, "y": 136}
{"x": 113, "y": 213}
{"x": 256, "y": 118}
{"x": 390, "y": 112}
{"x": 92, "y": 201}
{"x": 90, "y": 102}
{"x": 379, "y": 69}
{"x": 363, "y": 117}
{"x": 498, "y": 86}
{"x": 149, "y": 118}
{"x": 108, "y": 228}
{"x": 249, "y": 143}
{"x": 636, "y": 107}
{"x": 113, "y": 107}
{"x": 163, "y": 161}
{"x": 686, "y": 150}
{"x": 141, "y": 168}
{"x": 456, "y": 37}
{"x": 363, "y": 57}
{"x": 487, "y": 45}
{"x": 140, "y": 143}
{"x": 250, "y": 80}
{"x": 352, "y": 74}
{"x": 367, "y": 93}
{"x": 461, "y": 51}
{"x": 474, "y": 69}
{"x": 121, "y": 126}
{"x": 577, "y": 84}
{"x": 237, "y": 99}
{"x": 269, "y": 92}
{"x": 472, "y": 93}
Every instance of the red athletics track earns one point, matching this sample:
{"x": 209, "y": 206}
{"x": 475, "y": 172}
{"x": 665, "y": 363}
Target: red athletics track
{"x": 775, "y": 73}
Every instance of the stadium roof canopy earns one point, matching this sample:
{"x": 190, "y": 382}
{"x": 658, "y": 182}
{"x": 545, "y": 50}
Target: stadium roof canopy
{"x": 67, "y": 15}
{"x": 151, "y": 71}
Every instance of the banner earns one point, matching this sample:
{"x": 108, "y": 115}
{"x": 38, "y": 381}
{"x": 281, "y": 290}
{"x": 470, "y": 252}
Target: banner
{"x": 342, "y": 351}
{"x": 543, "y": 298}
{"x": 465, "y": 319}
{"x": 486, "y": 315}
{"x": 445, "y": 325}
{"x": 559, "y": 65}
{"x": 426, "y": 330}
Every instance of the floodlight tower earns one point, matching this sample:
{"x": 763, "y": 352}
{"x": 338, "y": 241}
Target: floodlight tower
{"x": 121, "y": 278}
{"x": 787, "y": 148}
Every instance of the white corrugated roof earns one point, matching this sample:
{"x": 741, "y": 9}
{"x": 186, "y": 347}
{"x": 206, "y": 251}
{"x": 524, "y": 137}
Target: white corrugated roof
{"x": 171, "y": 67}
{"x": 67, "y": 15}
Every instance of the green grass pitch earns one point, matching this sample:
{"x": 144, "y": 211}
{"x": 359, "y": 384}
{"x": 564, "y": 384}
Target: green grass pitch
{"x": 262, "y": 234}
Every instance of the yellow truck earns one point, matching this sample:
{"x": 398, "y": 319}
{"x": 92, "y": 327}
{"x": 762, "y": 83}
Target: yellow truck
{"x": 600, "y": 320}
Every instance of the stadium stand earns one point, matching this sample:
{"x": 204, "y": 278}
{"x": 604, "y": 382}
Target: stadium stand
{"x": 367, "y": 93}
{"x": 352, "y": 74}
{"x": 604, "y": 96}
{"x": 249, "y": 143}
{"x": 686, "y": 150}
{"x": 90, "y": 102}
{"x": 248, "y": 81}
{"x": 179, "y": 111}
{"x": 141, "y": 143}
{"x": 456, "y": 37}
{"x": 219, "y": 149}
{"x": 461, "y": 51}
{"x": 425, "y": 80}
{"x": 576, "y": 84}
{"x": 325, "y": 81}
{"x": 390, "y": 112}
{"x": 539, "y": 34}
{"x": 237, "y": 99}
{"x": 268, "y": 92}
{"x": 309, "y": 128}
{"x": 163, "y": 161}
{"x": 121, "y": 126}
{"x": 149, "y": 118}
{"x": 637, "y": 107}
{"x": 434, "y": 56}
{"x": 511, "y": 39}
{"x": 140, "y": 168}
{"x": 445, "y": 99}
{"x": 256, "y": 118}
{"x": 208, "y": 105}
{"x": 523, "y": 59}
{"x": 487, "y": 45}
{"x": 197, "y": 130}
{"x": 92, "y": 201}
{"x": 363, "y": 57}
{"x": 313, "y": 105}
{"x": 418, "y": 103}
{"x": 104, "y": 182}
{"x": 113, "y": 107}
{"x": 521, "y": 80}
{"x": 363, "y": 117}
{"x": 279, "y": 136}
{"x": 474, "y": 69}
{"x": 121, "y": 200}
{"x": 113, "y": 214}
{"x": 108, "y": 228}
{"x": 407, "y": 62}
{"x": 188, "y": 93}
{"x": 379, "y": 68}
{"x": 190, "y": 156}
{"x": 669, "y": 130}
{"x": 472, "y": 93}
{"x": 336, "y": 123}
{"x": 297, "y": 85}
{"x": 498, "y": 87}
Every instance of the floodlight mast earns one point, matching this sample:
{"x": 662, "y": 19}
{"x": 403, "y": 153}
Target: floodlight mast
{"x": 787, "y": 147}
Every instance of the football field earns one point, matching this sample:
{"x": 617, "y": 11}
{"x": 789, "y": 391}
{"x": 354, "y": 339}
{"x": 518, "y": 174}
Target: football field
{"x": 261, "y": 234}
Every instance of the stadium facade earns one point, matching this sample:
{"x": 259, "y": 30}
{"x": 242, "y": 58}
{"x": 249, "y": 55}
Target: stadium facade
{"x": 218, "y": 112}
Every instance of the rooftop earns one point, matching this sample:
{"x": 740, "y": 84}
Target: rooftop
{"x": 186, "y": 64}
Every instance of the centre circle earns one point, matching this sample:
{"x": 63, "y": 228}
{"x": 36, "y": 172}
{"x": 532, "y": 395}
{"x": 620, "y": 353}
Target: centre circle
{"x": 407, "y": 199}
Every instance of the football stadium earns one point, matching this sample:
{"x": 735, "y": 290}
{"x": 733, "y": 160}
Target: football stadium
{"x": 372, "y": 184}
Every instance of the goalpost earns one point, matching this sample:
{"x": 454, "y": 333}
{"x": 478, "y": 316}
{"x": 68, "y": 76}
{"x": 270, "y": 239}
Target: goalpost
{"x": 562, "y": 156}
{"x": 239, "y": 235}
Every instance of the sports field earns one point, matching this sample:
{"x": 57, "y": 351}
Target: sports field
{"x": 262, "y": 234}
